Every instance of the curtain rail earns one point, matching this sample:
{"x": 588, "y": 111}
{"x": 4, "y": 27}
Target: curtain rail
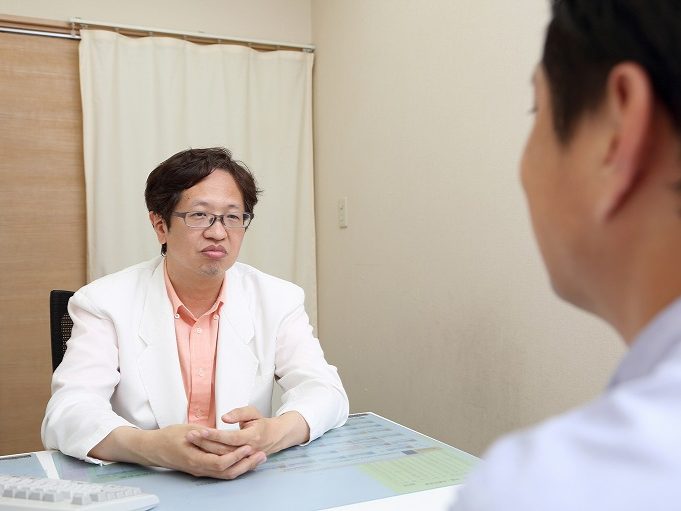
{"x": 45, "y": 33}
{"x": 256, "y": 43}
{"x": 71, "y": 29}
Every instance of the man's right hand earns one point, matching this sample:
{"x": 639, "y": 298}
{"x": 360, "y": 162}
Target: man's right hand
{"x": 168, "y": 447}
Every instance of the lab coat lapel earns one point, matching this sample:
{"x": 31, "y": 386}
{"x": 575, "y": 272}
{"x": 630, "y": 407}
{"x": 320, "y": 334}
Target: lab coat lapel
{"x": 236, "y": 364}
{"x": 159, "y": 363}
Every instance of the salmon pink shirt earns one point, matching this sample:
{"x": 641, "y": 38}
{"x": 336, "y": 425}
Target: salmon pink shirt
{"x": 196, "y": 346}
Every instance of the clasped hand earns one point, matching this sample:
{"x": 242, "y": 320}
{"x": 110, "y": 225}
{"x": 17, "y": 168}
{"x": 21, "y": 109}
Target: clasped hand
{"x": 205, "y": 451}
{"x": 257, "y": 437}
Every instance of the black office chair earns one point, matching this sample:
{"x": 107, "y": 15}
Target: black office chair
{"x": 60, "y": 324}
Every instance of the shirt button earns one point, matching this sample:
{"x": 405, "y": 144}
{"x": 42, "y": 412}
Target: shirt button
{"x": 177, "y": 316}
{"x": 201, "y": 372}
{"x": 215, "y": 316}
{"x": 197, "y": 413}
{"x": 198, "y": 330}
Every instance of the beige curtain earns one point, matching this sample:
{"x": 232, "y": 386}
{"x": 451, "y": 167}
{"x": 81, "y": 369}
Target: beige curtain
{"x": 147, "y": 98}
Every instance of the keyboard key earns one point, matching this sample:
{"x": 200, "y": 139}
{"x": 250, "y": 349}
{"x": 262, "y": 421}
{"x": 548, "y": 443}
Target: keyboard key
{"x": 81, "y": 499}
{"x": 36, "y": 494}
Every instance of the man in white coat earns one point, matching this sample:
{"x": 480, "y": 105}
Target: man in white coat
{"x": 172, "y": 362}
{"x": 601, "y": 171}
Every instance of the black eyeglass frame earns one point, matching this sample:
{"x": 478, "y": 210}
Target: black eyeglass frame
{"x": 246, "y": 219}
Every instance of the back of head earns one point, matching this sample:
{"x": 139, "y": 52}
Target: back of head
{"x": 586, "y": 38}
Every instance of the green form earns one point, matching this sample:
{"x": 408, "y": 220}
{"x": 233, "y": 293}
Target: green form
{"x": 421, "y": 469}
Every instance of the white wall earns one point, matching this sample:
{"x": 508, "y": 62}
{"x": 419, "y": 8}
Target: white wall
{"x": 279, "y": 20}
{"x": 434, "y": 302}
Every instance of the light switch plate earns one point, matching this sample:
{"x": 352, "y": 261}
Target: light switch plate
{"x": 343, "y": 212}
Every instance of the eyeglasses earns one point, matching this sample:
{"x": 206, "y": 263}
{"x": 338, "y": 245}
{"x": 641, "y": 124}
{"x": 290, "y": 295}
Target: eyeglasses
{"x": 201, "y": 220}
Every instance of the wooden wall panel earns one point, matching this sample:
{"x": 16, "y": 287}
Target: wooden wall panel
{"x": 42, "y": 219}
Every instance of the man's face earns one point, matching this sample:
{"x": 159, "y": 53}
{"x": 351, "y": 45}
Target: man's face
{"x": 204, "y": 253}
{"x": 557, "y": 178}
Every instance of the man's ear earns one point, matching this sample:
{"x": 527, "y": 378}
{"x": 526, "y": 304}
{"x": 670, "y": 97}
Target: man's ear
{"x": 159, "y": 226}
{"x": 629, "y": 103}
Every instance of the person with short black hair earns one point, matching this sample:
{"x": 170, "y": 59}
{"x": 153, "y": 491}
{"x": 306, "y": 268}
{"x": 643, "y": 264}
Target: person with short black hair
{"x": 172, "y": 362}
{"x": 602, "y": 173}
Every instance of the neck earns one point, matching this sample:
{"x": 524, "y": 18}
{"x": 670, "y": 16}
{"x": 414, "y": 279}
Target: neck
{"x": 197, "y": 292}
{"x": 640, "y": 289}
{"x": 636, "y": 309}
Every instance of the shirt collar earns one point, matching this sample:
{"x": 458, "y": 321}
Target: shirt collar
{"x": 179, "y": 307}
{"x": 652, "y": 346}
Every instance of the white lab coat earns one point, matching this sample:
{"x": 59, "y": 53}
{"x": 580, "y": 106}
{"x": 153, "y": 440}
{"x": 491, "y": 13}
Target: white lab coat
{"x": 121, "y": 367}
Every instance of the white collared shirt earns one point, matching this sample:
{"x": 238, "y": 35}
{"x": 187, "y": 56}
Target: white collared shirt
{"x": 620, "y": 452}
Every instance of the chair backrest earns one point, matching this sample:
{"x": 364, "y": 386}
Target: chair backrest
{"x": 60, "y": 324}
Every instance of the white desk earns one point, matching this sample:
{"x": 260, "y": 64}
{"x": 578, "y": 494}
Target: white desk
{"x": 368, "y": 464}
{"x": 439, "y": 499}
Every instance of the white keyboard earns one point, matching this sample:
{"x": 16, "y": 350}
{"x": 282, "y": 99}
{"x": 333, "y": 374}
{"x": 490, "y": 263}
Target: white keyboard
{"x": 19, "y": 493}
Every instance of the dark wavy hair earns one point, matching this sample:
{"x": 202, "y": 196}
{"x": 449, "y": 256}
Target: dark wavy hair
{"x": 183, "y": 170}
